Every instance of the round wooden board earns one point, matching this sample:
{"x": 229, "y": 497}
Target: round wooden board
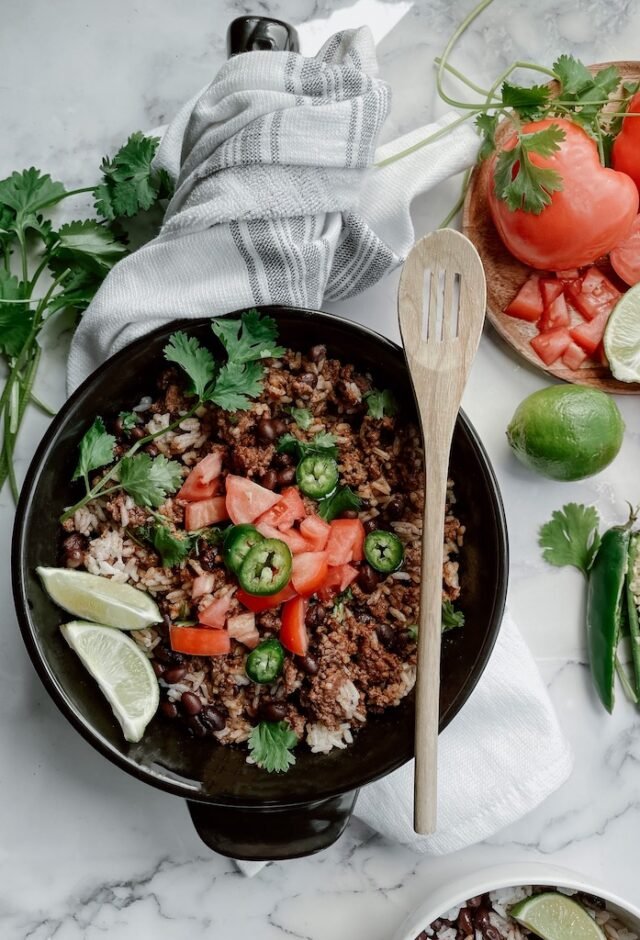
{"x": 505, "y": 274}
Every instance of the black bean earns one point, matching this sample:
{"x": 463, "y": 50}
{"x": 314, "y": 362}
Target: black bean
{"x": 286, "y": 476}
{"x": 269, "y": 480}
{"x": 370, "y": 526}
{"x": 481, "y": 919}
{"x": 164, "y": 627}
{"x": 465, "y": 924}
{"x": 118, "y": 427}
{"x": 308, "y": 664}
{"x": 174, "y": 675}
{"x": 152, "y": 450}
{"x": 367, "y": 579}
{"x": 279, "y": 426}
{"x": 138, "y": 433}
{"x": 74, "y": 547}
{"x": 318, "y": 353}
{"x": 475, "y": 902}
{"x": 316, "y": 614}
{"x": 207, "y": 555}
{"x": 272, "y": 711}
{"x": 168, "y": 656}
{"x": 386, "y": 634}
{"x": 308, "y": 378}
{"x": 158, "y": 668}
{"x": 214, "y": 717}
{"x": 169, "y": 710}
{"x": 191, "y": 703}
{"x": 395, "y": 507}
{"x": 282, "y": 460}
{"x": 349, "y": 514}
{"x": 266, "y": 431}
{"x": 198, "y": 728}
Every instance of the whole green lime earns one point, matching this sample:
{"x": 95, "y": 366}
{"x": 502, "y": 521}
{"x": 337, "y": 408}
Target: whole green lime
{"x": 566, "y": 432}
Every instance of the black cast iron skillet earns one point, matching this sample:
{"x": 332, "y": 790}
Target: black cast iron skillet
{"x": 237, "y": 809}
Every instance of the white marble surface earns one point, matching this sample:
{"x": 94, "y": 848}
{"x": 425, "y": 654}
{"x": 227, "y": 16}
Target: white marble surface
{"x": 86, "y": 851}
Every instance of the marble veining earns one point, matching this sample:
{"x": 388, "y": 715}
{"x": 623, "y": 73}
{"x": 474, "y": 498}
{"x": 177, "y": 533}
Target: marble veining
{"x": 87, "y": 852}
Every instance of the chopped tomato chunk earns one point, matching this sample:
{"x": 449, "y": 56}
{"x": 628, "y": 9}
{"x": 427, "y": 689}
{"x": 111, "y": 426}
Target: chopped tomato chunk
{"x": 309, "y": 572}
{"x": 258, "y": 603}
{"x": 290, "y": 537}
{"x": 215, "y": 614}
{"x": 571, "y": 274}
{"x": 550, "y": 288}
{"x": 242, "y": 628}
{"x": 556, "y": 314}
{"x": 315, "y": 532}
{"x": 589, "y": 335}
{"x": 198, "y": 641}
{"x": 338, "y": 579}
{"x": 247, "y": 500}
{"x": 286, "y": 511}
{"x": 594, "y": 295}
{"x": 293, "y": 632}
{"x": 625, "y": 257}
{"x": 346, "y": 540}
{"x": 204, "y": 480}
{"x": 205, "y": 512}
{"x": 527, "y": 304}
{"x": 574, "y": 356}
{"x": 551, "y": 345}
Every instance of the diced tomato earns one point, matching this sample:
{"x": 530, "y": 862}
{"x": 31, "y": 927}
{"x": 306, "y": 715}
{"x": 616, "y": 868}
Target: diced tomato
{"x": 551, "y": 345}
{"x": 290, "y": 537}
{"x": 625, "y": 258}
{"x": 309, "y": 572}
{"x": 556, "y": 314}
{"x": 337, "y": 580}
{"x": 198, "y": 641}
{"x": 203, "y": 584}
{"x": 574, "y": 356}
{"x": 572, "y": 274}
{"x": 258, "y": 604}
{"x": 286, "y": 511}
{"x": 215, "y": 614}
{"x": 589, "y": 335}
{"x": 242, "y": 628}
{"x": 293, "y": 632}
{"x": 315, "y": 532}
{"x": 527, "y": 304}
{"x": 247, "y": 500}
{"x": 345, "y": 541}
{"x": 550, "y": 289}
{"x": 205, "y": 512}
{"x": 204, "y": 480}
{"x": 594, "y": 295}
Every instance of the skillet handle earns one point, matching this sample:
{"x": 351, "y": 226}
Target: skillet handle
{"x": 267, "y": 834}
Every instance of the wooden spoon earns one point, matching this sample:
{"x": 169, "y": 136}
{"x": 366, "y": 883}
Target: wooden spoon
{"x": 441, "y": 308}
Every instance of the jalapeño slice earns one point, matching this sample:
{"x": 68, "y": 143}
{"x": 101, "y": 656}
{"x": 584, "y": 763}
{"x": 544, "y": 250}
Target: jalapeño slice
{"x": 266, "y": 568}
{"x": 238, "y": 542}
{"x": 265, "y": 662}
{"x": 383, "y": 550}
{"x": 317, "y": 475}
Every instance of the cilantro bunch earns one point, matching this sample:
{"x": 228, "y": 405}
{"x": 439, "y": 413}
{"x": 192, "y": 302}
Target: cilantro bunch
{"x": 47, "y": 271}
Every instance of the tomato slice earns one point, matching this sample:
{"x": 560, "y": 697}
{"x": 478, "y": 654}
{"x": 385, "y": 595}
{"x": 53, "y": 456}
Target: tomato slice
{"x": 625, "y": 257}
{"x": 338, "y": 579}
{"x": 257, "y": 603}
{"x": 293, "y": 632}
{"x": 247, "y": 500}
{"x": 215, "y": 614}
{"x": 594, "y": 295}
{"x": 346, "y": 541}
{"x": 589, "y": 335}
{"x": 198, "y": 641}
{"x": 242, "y": 628}
{"x": 290, "y": 537}
{"x": 550, "y": 288}
{"x": 204, "y": 480}
{"x": 556, "y": 314}
{"x": 527, "y": 304}
{"x": 315, "y": 532}
{"x": 551, "y": 345}
{"x": 286, "y": 511}
{"x": 205, "y": 512}
{"x": 309, "y": 572}
{"x": 574, "y": 356}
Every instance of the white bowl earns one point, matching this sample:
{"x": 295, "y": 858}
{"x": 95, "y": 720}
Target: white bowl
{"x": 510, "y": 876}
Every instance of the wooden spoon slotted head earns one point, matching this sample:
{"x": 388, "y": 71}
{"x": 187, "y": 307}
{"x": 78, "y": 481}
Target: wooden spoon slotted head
{"x": 441, "y": 309}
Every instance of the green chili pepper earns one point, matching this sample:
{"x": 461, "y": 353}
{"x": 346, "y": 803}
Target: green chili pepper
{"x": 265, "y": 662}
{"x": 607, "y": 578}
{"x": 317, "y": 475}
{"x": 266, "y": 568}
{"x": 383, "y": 550}
{"x": 238, "y": 541}
{"x": 632, "y": 610}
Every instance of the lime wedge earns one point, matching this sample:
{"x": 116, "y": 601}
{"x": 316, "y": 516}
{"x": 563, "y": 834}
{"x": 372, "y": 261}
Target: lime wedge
{"x": 100, "y": 599}
{"x": 556, "y": 917}
{"x": 122, "y": 671}
{"x": 622, "y": 337}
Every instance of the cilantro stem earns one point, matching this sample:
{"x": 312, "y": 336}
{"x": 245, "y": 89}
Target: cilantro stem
{"x": 463, "y": 78}
{"x": 23, "y": 255}
{"x": 423, "y": 143}
{"x": 7, "y": 258}
{"x": 462, "y": 28}
{"x": 7, "y": 453}
{"x": 46, "y": 409}
{"x": 38, "y": 271}
{"x": 459, "y": 203}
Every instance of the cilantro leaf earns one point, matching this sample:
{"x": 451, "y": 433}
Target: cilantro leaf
{"x": 128, "y": 419}
{"x": 322, "y": 443}
{"x": 573, "y": 76}
{"x": 27, "y": 193}
{"x": 15, "y": 319}
{"x": 96, "y": 450}
{"x": 381, "y": 403}
{"x": 532, "y": 186}
{"x": 79, "y": 287}
{"x": 412, "y": 630}
{"x": 172, "y": 549}
{"x": 83, "y": 242}
{"x": 270, "y": 744}
{"x": 487, "y": 124}
{"x": 237, "y": 383}
{"x": 130, "y": 183}
{"x": 302, "y": 417}
{"x": 571, "y": 537}
{"x": 196, "y": 360}
{"x": 250, "y": 338}
{"x": 149, "y": 480}
{"x": 334, "y": 505}
{"x": 451, "y": 618}
{"x": 529, "y": 102}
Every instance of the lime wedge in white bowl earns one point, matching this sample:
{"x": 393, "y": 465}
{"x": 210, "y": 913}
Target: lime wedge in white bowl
{"x": 99, "y": 599}
{"x": 622, "y": 337}
{"x": 554, "y": 916}
{"x": 122, "y": 671}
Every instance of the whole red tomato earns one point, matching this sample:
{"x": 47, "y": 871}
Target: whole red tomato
{"x": 625, "y": 155}
{"x": 586, "y": 219}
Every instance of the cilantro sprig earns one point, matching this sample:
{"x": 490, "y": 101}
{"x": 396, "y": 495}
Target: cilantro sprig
{"x": 381, "y": 404}
{"x": 322, "y": 443}
{"x": 520, "y": 182}
{"x": 571, "y": 537}
{"x": 271, "y": 744}
{"x": 341, "y": 499}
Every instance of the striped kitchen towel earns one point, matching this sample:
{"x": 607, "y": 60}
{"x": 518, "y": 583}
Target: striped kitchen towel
{"x": 277, "y": 200}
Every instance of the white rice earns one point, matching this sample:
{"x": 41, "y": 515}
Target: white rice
{"x": 321, "y": 739}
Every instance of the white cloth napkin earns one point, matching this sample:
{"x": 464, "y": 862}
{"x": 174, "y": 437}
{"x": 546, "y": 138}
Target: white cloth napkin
{"x": 498, "y": 759}
{"x": 276, "y": 200}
